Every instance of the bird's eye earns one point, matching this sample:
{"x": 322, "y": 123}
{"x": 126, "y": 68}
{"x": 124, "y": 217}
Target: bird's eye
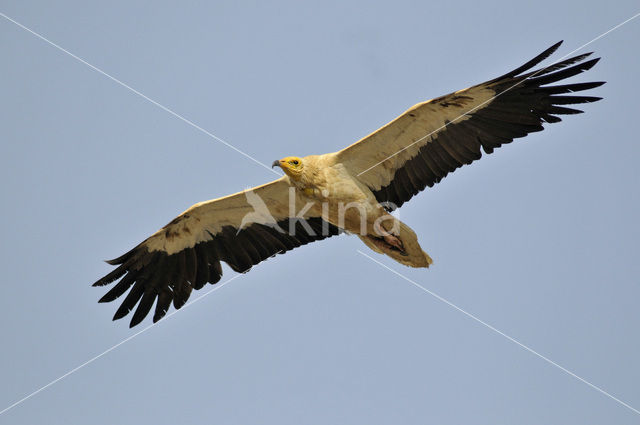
{"x": 294, "y": 162}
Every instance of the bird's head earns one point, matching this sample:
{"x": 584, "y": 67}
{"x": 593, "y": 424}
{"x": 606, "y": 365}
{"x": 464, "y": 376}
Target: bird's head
{"x": 291, "y": 165}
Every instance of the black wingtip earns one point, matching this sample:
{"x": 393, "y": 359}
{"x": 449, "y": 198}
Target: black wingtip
{"x": 530, "y": 64}
{"x": 562, "y": 64}
{"x": 591, "y": 63}
{"x": 544, "y": 78}
{"x": 134, "y": 321}
{"x": 124, "y": 257}
{"x": 120, "y": 313}
{"x": 549, "y": 51}
{"x": 110, "y": 277}
{"x": 115, "y": 261}
{"x": 555, "y": 46}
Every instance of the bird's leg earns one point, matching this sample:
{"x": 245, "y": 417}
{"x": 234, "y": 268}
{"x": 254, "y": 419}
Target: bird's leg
{"x": 390, "y": 239}
{"x": 394, "y": 241}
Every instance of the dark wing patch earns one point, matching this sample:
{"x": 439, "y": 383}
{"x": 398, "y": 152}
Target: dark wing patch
{"x": 161, "y": 278}
{"x": 522, "y": 104}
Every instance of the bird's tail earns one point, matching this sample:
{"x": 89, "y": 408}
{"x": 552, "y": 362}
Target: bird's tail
{"x": 411, "y": 253}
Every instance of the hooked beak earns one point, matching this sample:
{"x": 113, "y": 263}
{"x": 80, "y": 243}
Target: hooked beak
{"x": 276, "y": 163}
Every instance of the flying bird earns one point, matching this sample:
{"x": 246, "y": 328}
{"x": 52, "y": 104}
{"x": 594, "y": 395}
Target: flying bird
{"x": 351, "y": 191}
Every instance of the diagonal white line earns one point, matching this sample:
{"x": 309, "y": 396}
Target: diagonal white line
{"x": 499, "y": 332}
{"x": 218, "y": 286}
{"x": 164, "y": 108}
{"x": 498, "y": 95}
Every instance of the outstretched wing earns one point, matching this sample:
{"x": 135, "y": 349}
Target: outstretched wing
{"x": 434, "y": 138}
{"x": 241, "y": 229}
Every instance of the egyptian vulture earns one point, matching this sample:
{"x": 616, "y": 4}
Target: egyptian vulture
{"x": 351, "y": 191}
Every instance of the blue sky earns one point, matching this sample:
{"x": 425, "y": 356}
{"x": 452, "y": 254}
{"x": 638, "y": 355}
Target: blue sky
{"x": 539, "y": 239}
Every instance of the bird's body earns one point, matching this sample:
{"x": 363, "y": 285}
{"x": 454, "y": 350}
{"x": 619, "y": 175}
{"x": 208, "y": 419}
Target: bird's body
{"x": 351, "y": 191}
{"x": 335, "y": 193}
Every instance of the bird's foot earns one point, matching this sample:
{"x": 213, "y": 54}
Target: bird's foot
{"x": 394, "y": 242}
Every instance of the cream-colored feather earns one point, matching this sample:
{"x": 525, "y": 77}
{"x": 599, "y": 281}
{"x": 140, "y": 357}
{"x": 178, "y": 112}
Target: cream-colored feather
{"x": 375, "y": 158}
{"x": 265, "y": 204}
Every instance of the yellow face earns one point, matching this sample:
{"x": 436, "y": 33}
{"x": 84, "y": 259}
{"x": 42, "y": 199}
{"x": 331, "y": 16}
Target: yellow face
{"x": 291, "y": 165}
